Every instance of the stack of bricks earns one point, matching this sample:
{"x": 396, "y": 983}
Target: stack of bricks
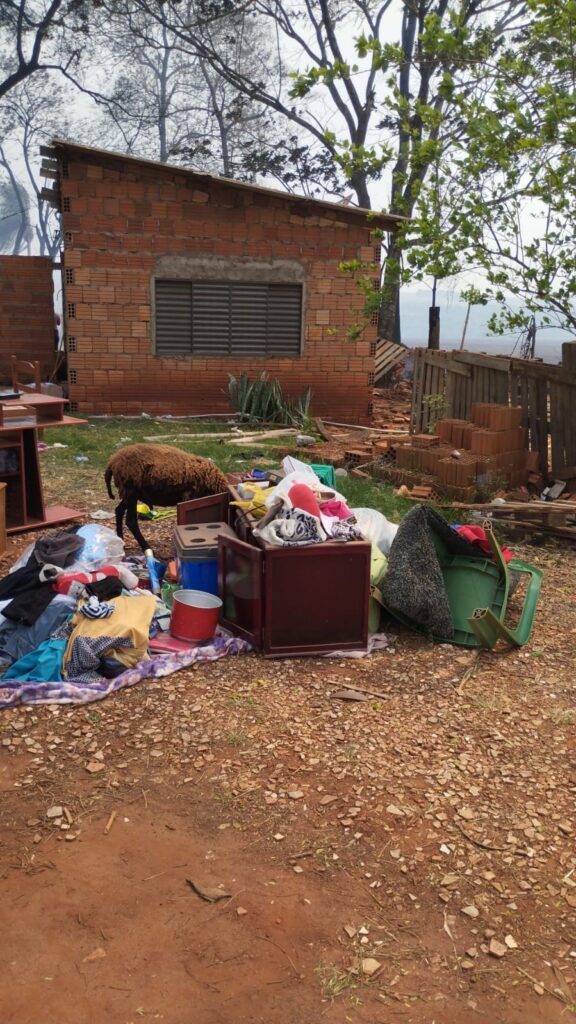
{"x": 464, "y": 455}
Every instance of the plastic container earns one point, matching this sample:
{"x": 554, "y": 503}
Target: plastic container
{"x": 195, "y": 615}
{"x": 200, "y": 575}
{"x": 197, "y": 555}
{"x": 168, "y": 591}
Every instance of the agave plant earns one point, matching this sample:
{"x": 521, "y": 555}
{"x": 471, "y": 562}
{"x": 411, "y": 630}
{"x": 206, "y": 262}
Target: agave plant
{"x": 263, "y": 400}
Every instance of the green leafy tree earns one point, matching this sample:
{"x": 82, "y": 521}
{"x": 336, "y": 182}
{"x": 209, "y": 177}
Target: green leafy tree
{"x": 372, "y": 93}
{"x": 510, "y": 181}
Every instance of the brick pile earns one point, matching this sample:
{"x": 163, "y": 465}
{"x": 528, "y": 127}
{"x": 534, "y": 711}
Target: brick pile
{"x": 463, "y": 456}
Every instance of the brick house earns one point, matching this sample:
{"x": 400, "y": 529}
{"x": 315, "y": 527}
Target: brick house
{"x": 173, "y": 279}
{"x": 26, "y": 312}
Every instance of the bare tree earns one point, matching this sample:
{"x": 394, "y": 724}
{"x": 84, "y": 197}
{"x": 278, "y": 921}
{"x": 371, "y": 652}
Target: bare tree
{"x": 29, "y": 117}
{"x": 169, "y": 104}
{"x": 40, "y": 35}
{"x": 374, "y": 85}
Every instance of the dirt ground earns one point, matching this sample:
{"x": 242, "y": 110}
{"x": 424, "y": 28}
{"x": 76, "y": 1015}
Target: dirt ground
{"x": 426, "y": 835}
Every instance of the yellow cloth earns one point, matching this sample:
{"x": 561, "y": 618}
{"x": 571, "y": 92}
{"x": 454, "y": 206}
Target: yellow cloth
{"x": 130, "y": 619}
{"x": 257, "y": 503}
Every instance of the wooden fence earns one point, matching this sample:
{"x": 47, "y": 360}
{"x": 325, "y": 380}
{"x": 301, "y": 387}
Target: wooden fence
{"x": 447, "y": 383}
{"x": 387, "y": 356}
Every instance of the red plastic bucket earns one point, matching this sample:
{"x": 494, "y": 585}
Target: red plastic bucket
{"x": 195, "y": 615}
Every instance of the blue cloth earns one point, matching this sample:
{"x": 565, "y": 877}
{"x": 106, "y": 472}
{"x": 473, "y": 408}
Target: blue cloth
{"x": 16, "y": 641}
{"x": 43, "y": 665}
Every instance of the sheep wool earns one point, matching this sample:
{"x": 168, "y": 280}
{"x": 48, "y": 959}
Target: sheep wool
{"x": 158, "y": 474}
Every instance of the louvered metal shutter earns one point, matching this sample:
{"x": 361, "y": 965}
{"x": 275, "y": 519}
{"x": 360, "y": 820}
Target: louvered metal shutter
{"x": 220, "y": 318}
{"x": 173, "y": 316}
{"x": 210, "y": 318}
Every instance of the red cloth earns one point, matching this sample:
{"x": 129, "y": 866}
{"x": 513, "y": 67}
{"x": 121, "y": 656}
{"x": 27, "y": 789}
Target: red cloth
{"x": 63, "y": 583}
{"x": 303, "y": 497}
{"x": 477, "y": 535}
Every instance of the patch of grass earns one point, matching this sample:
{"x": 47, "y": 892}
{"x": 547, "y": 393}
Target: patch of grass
{"x": 562, "y": 716}
{"x": 246, "y": 699}
{"x": 98, "y": 439}
{"x": 333, "y": 980}
{"x": 350, "y": 751}
{"x": 238, "y": 737}
{"x": 488, "y": 702}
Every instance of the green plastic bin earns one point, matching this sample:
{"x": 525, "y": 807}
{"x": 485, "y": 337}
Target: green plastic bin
{"x": 478, "y": 591}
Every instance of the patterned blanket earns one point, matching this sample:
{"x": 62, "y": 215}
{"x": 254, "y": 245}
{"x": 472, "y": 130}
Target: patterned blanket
{"x": 74, "y": 691}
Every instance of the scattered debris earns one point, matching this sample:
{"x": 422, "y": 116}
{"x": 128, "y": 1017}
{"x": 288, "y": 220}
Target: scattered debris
{"x": 209, "y": 893}
{"x": 497, "y": 949}
{"x": 370, "y": 966}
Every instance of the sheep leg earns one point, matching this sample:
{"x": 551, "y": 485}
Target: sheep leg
{"x": 119, "y": 511}
{"x": 132, "y": 521}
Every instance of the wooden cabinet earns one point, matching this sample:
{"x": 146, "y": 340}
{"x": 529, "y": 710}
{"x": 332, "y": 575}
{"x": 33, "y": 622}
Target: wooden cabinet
{"x": 288, "y": 601}
{"x": 19, "y": 463}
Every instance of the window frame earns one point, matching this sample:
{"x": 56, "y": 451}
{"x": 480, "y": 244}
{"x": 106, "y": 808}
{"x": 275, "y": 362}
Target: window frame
{"x": 274, "y": 280}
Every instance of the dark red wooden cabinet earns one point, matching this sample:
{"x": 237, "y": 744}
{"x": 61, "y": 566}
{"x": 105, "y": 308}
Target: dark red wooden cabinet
{"x": 289, "y": 601}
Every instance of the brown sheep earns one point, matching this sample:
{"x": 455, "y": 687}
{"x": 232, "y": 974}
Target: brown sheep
{"x": 158, "y": 474}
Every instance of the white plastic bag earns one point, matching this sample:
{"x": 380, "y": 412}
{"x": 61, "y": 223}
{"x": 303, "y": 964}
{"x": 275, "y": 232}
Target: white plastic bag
{"x": 299, "y": 473}
{"x": 374, "y": 526}
{"x": 101, "y": 547}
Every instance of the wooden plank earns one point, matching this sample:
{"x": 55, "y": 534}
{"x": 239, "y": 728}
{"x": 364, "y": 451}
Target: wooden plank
{"x": 501, "y": 363}
{"x": 414, "y": 407}
{"x": 426, "y": 392}
{"x": 541, "y": 392}
{"x": 388, "y": 355}
{"x": 556, "y": 432}
{"x": 543, "y": 371}
{"x": 532, "y": 414}
{"x": 570, "y": 427}
{"x": 453, "y": 367}
{"x": 452, "y": 382}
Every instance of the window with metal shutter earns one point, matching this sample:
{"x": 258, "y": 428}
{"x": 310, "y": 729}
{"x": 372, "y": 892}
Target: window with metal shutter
{"x": 221, "y": 318}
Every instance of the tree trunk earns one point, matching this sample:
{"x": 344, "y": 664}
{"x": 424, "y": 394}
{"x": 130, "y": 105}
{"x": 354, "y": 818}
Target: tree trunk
{"x": 389, "y": 321}
{"x": 434, "y": 327}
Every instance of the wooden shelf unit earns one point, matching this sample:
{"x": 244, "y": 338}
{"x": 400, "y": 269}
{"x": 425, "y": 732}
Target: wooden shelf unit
{"x": 25, "y": 505}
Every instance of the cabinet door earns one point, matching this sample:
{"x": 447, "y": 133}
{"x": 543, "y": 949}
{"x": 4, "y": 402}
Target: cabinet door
{"x": 240, "y": 587}
{"x": 316, "y": 598}
{"x": 213, "y": 509}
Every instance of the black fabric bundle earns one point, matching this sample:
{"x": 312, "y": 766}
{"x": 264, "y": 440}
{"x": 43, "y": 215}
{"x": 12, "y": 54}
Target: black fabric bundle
{"x": 31, "y": 586}
{"x": 413, "y": 585}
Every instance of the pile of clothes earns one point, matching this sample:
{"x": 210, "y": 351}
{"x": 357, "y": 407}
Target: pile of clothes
{"x": 298, "y": 509}
{"x": 73, "y": 617}
{"x": 69, "y": 610}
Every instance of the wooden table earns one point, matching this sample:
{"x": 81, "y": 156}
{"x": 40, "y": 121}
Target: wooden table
{"x": 20, "y": 465}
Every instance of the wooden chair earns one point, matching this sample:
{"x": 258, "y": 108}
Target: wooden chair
{"x": 23, "y": 368}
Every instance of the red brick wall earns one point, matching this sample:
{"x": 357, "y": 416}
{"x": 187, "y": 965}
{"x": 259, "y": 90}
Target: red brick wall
{"x": 26, "y": 311}
{"x": 121, "y": 217}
